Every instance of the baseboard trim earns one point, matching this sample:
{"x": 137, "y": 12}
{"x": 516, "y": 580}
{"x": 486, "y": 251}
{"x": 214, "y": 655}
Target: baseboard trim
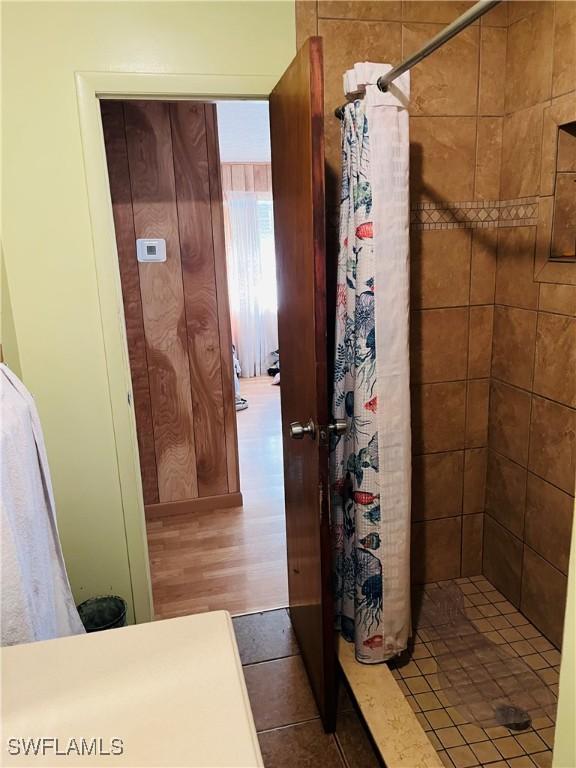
{"x": 191, "y": 506}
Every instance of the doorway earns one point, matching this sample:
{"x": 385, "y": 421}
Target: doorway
{"x": 201, "y": 326}
{"x": 297, "y": 148}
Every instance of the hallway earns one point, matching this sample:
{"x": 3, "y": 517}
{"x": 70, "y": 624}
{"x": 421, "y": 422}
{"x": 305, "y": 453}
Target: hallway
{"x": 232, "y": 559}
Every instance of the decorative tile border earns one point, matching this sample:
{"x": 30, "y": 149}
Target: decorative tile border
{"x": 476, "y": 214}
{"x": 481, "y": 214}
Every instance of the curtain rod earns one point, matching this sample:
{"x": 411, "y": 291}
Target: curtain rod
{"x": 442, "y": 37}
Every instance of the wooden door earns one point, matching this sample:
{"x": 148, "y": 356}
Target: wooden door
{"x": 164, "y": 173}
{"x": 296, "y": 129}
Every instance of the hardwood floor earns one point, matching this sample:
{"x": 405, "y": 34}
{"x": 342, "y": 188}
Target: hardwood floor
{"x": 232, "y": 559}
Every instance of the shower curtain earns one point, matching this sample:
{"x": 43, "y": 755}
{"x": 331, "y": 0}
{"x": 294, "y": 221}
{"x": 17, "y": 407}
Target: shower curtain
{"x": 371, "y": 463}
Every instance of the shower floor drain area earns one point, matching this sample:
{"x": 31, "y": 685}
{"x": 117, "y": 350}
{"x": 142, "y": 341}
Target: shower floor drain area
{"x": 487, "y": 684}
{"x": 514, "y": 718}
{"x": 467, "y": 729}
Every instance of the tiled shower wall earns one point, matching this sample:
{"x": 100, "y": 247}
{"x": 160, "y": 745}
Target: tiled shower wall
{"x": 456, "y": 128}
{"x": 531, "y": 457}
{"x": 466, "y": 101}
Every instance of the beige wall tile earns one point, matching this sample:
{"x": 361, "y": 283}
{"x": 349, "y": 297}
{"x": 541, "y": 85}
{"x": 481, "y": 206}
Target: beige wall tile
{"x": 561, "y": 110}
{"x": 566, "y": 150}
{"x": 502, "y": 559}
{"x": 437, "y": 480}
{"x": 472, "y": 532}
{"x": 438, "y": 344}
{"x": 564, "y": 226}
{"x": 488, "y": 157}
{"x": 506, "y": 492}
{"x": 546, "y": 269}
{"x": 560, "y": 299}
{"x": 435, "y": 549}
{"x": 509, "y": 421}
{"x": 480, "y": 341}
{"x": 446, "y": 82}
{"x": 374, "y": 10}
{"x": 483, "y": 266}
{"x": 438, "y": 417}
{"x": 442, "y": 158}
{"x": 306, "y": 21}
{"x": 477, "y": 400}
{"x": 497, "y": 17}
{"x": 440, "y": 268}
{"x": 492, "y": 66}
{"x": 553, "y": 443}
{"x": 555, "y": 364}
{"x": 543, "y": 596}
{"x": 521, "y": 148}
{"x": 564, "y": 57}
{"x": 439, "y": 12}
{"x": 513, "y": 347}
{"x": 529, "y": 59}
{"x": 349, "y": 41}
{"x": 474, "y": 480}
{"x": 520, "y": 9}
{"x": 515, "y": 284}
{"x": 549, "y": 517}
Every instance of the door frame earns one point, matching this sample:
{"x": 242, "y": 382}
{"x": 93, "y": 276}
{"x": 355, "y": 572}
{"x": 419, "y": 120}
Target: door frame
{"x": 90, "y": 88}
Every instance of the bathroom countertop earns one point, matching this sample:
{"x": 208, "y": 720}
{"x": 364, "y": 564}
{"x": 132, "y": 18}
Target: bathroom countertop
{"x": 172, "y": 691}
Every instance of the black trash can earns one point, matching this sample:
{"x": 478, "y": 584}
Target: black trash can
{"x": 99, "y": 613}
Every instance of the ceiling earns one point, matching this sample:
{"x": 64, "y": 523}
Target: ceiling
{"x": 243, "y": 131}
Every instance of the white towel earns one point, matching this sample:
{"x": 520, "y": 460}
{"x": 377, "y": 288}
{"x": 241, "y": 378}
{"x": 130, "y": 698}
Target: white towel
{"x": 366, "y": 73}
{"x": 36, "y": 600}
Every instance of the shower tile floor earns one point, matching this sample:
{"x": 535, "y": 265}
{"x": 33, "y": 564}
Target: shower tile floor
{"x": 461, "y": 744}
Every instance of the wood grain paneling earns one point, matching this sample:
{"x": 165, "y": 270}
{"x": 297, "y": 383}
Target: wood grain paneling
{"x": 246, "y": 177}
{"x": 200, "y": 297}
{"x": 164, "y": 171}
{"x": 119, "y": 177}
{"x": 153, "y": 197}
{"x": 224, "y": 324}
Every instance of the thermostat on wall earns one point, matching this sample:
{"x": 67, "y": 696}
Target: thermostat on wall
{"x": 151, "y": 249}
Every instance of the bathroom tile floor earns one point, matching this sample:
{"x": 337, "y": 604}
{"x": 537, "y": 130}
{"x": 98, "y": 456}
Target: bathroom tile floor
{"x": 459, "y": 743}
{"x": 289, "y": 728}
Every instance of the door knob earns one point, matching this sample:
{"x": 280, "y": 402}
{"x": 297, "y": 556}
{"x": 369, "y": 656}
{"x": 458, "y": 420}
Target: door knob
{"x": 298, "y": 430}
{"x": 338, "y": 427}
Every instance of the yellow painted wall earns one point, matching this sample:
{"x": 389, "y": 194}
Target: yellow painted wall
{"x": 7, "y": 330}
{"x": 48, "y": 246}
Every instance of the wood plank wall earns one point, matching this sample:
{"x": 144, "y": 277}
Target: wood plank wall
{"x": 246, "y": 177}
{"x": 164, "y": 179}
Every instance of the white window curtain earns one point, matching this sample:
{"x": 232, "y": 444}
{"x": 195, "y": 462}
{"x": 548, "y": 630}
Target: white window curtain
{"x": 251, "y": 279}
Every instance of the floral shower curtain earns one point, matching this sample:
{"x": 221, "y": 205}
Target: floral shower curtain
{"x": 371, "y": 462}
